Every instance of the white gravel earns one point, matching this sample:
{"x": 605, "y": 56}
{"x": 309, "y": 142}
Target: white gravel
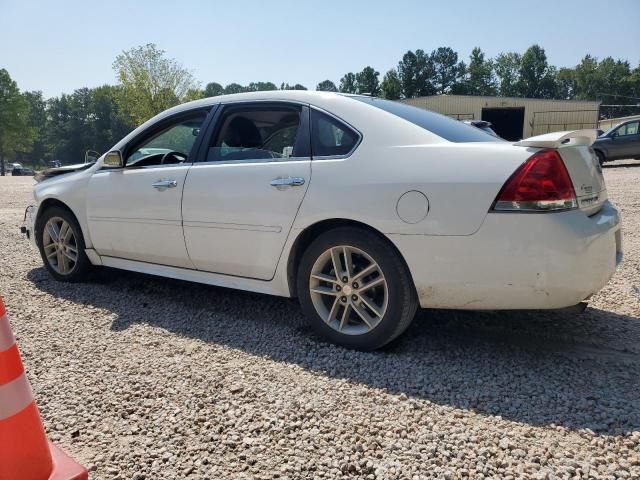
{"x": 140, "y": 377}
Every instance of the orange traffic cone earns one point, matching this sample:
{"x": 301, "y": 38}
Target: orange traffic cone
{"x": 25, "y": 452}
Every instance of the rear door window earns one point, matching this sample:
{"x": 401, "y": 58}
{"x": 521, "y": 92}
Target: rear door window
{"x": 330, "y": 137}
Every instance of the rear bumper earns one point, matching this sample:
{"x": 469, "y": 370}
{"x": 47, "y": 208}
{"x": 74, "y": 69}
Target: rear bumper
{"x": 517, "y": 261}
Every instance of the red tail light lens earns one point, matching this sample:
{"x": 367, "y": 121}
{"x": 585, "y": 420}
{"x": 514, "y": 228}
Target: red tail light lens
{"x": 542, "y": 183}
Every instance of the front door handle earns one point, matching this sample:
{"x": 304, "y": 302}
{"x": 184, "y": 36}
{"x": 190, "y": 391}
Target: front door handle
{"x": 162, "y": 184}
{"x": 287, "y": 182}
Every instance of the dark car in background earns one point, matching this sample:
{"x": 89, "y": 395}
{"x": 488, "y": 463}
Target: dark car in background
{"x": 482, "y": 125}
{"x": 619, "y": 142}
{"x": 19, "y": 171}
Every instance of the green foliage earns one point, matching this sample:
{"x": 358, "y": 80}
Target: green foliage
{"x": 327, "y": 86}
{"x": 16, "y": 132}
{"x": 261, "y": 87}
{"x": 348, "y": 83}
{"x": 213, "y": 89}
{"x": 481, "y": 78}
{"x": 367, "y": 81}
{"x": 507, "y": 68}
{"x": 297, "y": 86}
{"x": 447, "y": 70}
{"x": 391, "y": 86}
{"x": 536, "y": 76}
{"x": 150, "y": 82}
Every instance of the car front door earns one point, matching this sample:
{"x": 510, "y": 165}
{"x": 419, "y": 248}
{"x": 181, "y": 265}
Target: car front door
{"x": 241, "y": 198}
{"x": 625, "y": 141}
{"x": 134, "y": 212}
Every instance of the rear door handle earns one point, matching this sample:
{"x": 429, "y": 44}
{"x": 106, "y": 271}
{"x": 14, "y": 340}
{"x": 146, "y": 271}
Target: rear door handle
{"x": 287, "y": 182}
{"x": 162, "y": 184}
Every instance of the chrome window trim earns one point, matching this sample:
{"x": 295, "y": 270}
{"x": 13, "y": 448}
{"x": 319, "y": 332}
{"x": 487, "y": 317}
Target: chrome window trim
{"x": 255, "y": 161}
{"x": 335, "y": 117}
{"x": 143, "y": 167}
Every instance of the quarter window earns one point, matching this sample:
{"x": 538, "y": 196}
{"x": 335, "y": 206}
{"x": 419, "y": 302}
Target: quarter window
{"x": 169, "y": 145}
{"x": 258, "y": 132}
{"x": 330, "y": 137}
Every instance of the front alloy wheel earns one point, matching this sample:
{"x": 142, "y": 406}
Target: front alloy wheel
{"x": 60, "y": 245}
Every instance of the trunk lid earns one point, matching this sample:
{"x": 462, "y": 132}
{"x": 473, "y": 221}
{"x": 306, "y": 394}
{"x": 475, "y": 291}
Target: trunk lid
{"x": 582, "y": 164}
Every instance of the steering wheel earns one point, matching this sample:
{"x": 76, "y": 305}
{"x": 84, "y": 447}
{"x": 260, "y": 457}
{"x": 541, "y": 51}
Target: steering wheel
{"x": 174, "y": 154}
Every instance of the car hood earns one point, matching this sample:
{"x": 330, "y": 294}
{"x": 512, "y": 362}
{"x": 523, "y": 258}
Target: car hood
{"x": 54, "y": 172}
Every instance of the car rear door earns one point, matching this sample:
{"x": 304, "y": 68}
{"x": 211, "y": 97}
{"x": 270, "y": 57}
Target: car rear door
{"x": 134, "y": 212}
{"x": 241, "y": 198}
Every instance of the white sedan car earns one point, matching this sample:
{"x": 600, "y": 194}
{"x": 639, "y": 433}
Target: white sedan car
{"x": 363, "y": 208}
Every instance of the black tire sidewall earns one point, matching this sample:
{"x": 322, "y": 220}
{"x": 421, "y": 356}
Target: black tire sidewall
{"x": 401, "y": 302}
{"x": 82, "y": 265}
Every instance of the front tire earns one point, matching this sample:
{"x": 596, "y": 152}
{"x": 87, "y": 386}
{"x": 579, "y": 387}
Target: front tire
{"x": 355, "y": 289}
{"x": 601, "y": 158}
{"x": 61, "y": 245}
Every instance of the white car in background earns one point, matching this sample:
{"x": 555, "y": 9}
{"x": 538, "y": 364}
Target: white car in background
{"x": 363, "y": 208}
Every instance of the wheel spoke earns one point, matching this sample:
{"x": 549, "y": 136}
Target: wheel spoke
{"x": 345, "y": 316}
{"x": 367, "y": 271}
{"x": 60, "y": 258}
{"x": 53, "y": 252}
{"x": 335, "y": 259}
{"x": 373, "y": 307}
{"x": 334, "y": 311}
{"x": 68, "y": 234}
{"x": 376, "y": 281}
{"x": 69, "y": 255}
{"x": 72, "y": 249}
{"x": 348, "y": 262}
{"x": 52, "y": 230}
{"x": 363, "y": 315}
{"x": 325, "y": 291}
{"x": 324, "y": 278}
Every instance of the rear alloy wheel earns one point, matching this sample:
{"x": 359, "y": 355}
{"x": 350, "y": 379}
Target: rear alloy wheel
{"x": 61, "y": 245}
{"x": 355, "y": 289}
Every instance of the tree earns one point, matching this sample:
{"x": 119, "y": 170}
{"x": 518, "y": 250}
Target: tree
{"x": 150, "y": 82}
{"x": 213, "y": 89}
{"x": 16, "y": 134}
{"x": 367, "y": 81}
{"x": 480, "y": 76}
{"x": 297, "y": 86}
{"x": 447, "y": 70}
{"x": 261, "y": 86}
{"x": 38, "y": 124}
{"x": 416, "y": 73}
{"x": 566, "y": 84}
{"x": 234, "y": 88}
{"x": 537, "y": 78}
{"x": 391, "y": 86}
{"x": 326, "y": 86}
{"x": 507, "y": 68}
{"x": 348, "y": 83}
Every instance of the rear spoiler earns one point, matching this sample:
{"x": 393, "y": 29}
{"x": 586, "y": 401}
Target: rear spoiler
{"x": 557, "y": 139}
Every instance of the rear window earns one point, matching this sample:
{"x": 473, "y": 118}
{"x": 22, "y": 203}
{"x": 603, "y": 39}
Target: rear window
{"x": 445, "y": 127}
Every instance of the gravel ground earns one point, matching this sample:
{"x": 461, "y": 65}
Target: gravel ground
{"x": 147, "y": 378}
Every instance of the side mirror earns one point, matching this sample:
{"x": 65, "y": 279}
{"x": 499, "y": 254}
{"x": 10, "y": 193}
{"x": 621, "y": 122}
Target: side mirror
{"x": 113, "y": 159}
{"x": 613, "y": 135}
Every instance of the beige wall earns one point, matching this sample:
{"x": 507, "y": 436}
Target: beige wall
{"x": 540, "y": 116}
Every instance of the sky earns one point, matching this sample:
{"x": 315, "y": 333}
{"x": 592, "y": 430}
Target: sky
{"x": 59, "y": 46}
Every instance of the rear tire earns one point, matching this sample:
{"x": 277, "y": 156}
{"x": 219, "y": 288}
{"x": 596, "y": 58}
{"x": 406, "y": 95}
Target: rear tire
{"x": 375, "y": 304}
{"x": 61, "y": 244}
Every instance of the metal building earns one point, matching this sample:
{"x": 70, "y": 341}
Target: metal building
{"x": 515, "y": 118}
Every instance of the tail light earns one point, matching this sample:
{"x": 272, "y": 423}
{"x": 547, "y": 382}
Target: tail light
{"x": 540, "y": 184}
